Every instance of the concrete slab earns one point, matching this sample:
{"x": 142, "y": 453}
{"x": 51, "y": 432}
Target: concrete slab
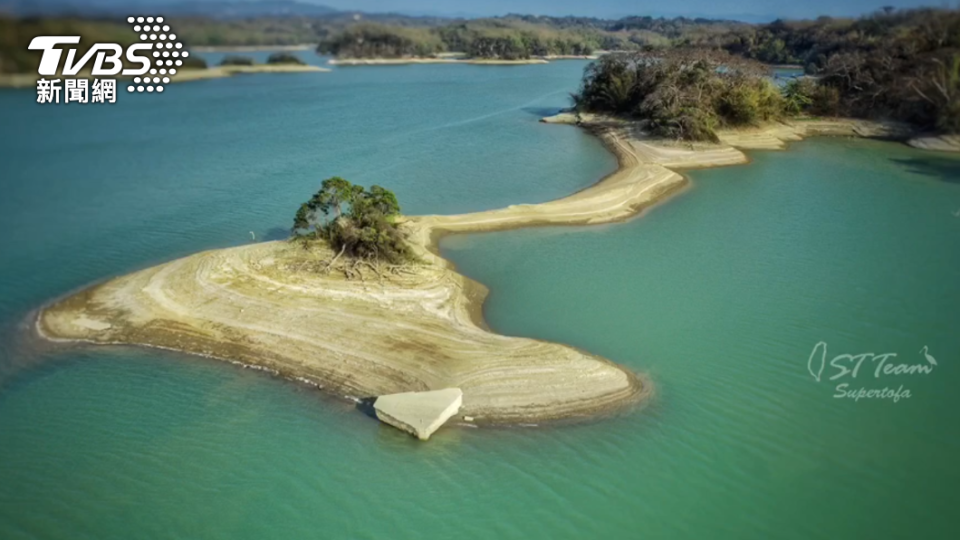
{"x": 419, "y": 413}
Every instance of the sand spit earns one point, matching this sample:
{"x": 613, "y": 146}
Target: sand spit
{"x": 410, "y": 329}
{"x": 646, "y": 173}
{"x": 270, "y": 305}
{"x": 254, "y": 48}
{"x": 29, "y": 80}
{"x": 219, "y": 72}
{"x": 445, "y": 59}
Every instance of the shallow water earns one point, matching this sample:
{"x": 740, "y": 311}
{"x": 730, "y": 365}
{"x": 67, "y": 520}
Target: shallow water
{"x": 719, "y": 295}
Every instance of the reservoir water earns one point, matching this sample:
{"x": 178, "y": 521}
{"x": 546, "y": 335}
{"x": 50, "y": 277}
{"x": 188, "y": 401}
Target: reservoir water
{"x": 719, "y": 295}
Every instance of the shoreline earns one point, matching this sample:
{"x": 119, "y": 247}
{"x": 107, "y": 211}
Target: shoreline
{"x": 420, "y": 329}
{"x": 253, "y": 48}
{"x": 220, "y": 72}
{"x": 348, "y": 62}
{"x": 29, "y": 80}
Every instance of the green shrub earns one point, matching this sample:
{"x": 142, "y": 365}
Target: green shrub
{"x": 355, "y": 221}
{"x": 236, "y": 61}
{"x": 284, "y": 58}
{"x": 798, "y": 95}
{"x": 194, "y": 62}
{"x": 683, "y": 94}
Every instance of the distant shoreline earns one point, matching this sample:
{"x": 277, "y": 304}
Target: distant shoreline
{"x": 219, "y": 72}
{"x": 254, "y": 48}
{"x": 432, "y": 60}
{"x": 29, "y": 80}
{"x": 461, "y": 58}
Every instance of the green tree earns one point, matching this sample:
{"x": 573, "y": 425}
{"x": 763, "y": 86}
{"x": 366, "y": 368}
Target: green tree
{"x": 284, "y": 58}
{"x": 236, "y": 61}
{"x": 353, "y": 220}
{"x": 797, "y": 96}
{"x": 334, "y": 194}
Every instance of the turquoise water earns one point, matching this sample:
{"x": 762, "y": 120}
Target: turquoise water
{"x": 719, "y": 295}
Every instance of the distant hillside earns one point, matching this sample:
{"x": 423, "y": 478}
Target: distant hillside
{"x": 225, "y": 9}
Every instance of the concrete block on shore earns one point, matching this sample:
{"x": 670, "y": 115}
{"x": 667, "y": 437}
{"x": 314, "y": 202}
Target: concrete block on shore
{"x": 419, "y": 413}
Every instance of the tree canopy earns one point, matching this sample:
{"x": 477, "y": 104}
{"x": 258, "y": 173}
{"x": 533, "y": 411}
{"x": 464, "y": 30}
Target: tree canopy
{"x": 284, "y": 58}
{"x": 233, "y": 60}
{"x": 354, "y": 220}
{"x": 683, "y": 94}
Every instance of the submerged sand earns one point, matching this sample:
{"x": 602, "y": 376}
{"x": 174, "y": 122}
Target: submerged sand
{"x": 412, "y": 328}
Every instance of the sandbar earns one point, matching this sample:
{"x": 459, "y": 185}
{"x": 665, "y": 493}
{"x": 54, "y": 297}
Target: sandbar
{"x": 416, "y": 327}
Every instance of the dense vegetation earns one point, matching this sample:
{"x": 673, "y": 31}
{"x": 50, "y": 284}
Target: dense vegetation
{"x": 355, "y": 221}
{"x": 901, "y": 65}
{"x": 493, "y": 38}
{"x": 682, "y": 93}
{"x": 194, "y": 62}
{"x": 512, "y": 39}
{"x": 284, "y": 58}
{"x": 891, "y": 65}
{"x": 516, "y": 36}
{"x": 375, "y": 40}
{"x": 894, "y": 64}
{"x": 232, "y": 60}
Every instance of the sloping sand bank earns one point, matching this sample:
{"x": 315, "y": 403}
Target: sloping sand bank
{"x": 414, "y": 328}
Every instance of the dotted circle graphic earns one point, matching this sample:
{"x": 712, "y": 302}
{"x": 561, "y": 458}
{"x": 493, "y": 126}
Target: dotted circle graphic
{"x": 161, "y": 37}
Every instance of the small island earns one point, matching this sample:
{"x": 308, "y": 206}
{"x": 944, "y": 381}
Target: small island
{"x": 280, "y": 62}
{"x": 359, "y": 302}
{"x": 355, "y": 303}
{"x": 478, "y": 43}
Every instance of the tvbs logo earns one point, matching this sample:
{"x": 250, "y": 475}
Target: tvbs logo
{"x": 108, "y": 57}
{"x": 150, "y": 63}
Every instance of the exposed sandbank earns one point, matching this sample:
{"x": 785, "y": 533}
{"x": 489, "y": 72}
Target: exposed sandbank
{"x": 219, "y": 72}
{"x": 593, "y": 56}
{"x": 268, "y": 305}
{"x": 417, "y": 329}
{"x": 29, "y": 80}
{"x": 445, "y": 59}
{"x": 939, "y": 143}
{"x": 255, "y": 48}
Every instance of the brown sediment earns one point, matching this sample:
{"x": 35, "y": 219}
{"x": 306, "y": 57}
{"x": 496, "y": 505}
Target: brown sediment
{"x": 400, "y": 329}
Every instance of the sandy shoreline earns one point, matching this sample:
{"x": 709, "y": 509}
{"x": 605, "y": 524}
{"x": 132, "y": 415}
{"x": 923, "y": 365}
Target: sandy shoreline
{"x": 432, "y": 60}
{"x": 462, "y": 58}
{"x": 219, "y": 72}
{"x": 409, "y": 329}
{"x": 29, "y": 80}
{"x": 254, "y": 48}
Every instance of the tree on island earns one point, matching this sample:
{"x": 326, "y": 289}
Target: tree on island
{"x": 685, "y": 94}
{"x": 355, "y": 221}
{"x": 194, "y": 62}
{"x": 284, "y": 58}
{"x": 232, "y": 60}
